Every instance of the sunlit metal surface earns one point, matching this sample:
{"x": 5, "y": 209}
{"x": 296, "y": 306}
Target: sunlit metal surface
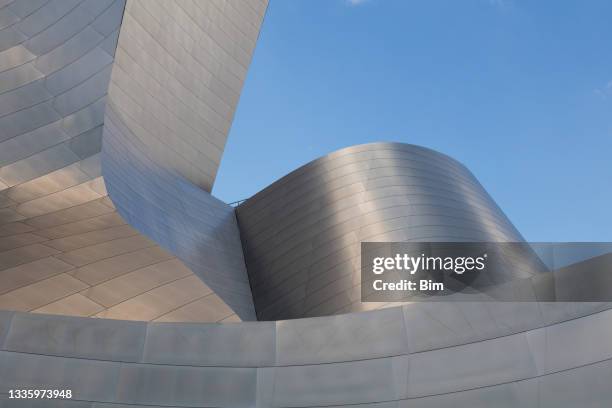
{"x": 420, "y": 355}
{"x": 63, "y": 247}
{"x": 302, "y": 234}
{"x": 178, "y": 72}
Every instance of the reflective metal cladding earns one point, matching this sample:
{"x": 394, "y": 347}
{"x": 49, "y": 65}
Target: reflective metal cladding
{"x": 302, "y": 234}
{"x": 63, "y": 246}
{"x": 178, "y": 72}
{"x": 143, "y": 92}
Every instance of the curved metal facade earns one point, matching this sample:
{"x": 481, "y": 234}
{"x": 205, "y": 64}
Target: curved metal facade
{"x": 63, "y": 247}
{"x": 302, "y": 234}
{"x": 178, "y": 72}
{"x": 420, "y": 355}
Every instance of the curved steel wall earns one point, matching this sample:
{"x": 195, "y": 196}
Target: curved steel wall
{"x": 63, "y": 247}
{"x": 187, "y": 221}
{"x": 302, "y": 234}
{"x": 174, "y": 88}
{"x": 420, "y": 355}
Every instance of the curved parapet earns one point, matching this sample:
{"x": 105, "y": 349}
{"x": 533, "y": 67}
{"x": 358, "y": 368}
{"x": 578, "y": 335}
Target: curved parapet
{"x": 302, "y": 234}
{"x": 178, "y": 72}
{"x": 420, "y": 355}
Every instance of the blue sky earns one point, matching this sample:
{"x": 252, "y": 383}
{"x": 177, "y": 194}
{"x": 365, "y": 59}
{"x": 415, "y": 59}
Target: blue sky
{"x": 519, "y": 91}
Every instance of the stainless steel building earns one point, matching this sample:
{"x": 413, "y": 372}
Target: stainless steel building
{"x": 116, "y": 262}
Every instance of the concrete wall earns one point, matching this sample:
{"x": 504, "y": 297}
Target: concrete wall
{"x": 302, "y": 234}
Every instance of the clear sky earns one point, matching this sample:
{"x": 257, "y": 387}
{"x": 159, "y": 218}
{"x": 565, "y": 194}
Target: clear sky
{"x": 519, "y": 91}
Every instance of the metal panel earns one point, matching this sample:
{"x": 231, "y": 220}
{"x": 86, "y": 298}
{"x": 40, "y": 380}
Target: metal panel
{"x": 106, "y": 269}
{"x": 25, "y": 145}
{"x": 18, "y": 76}
{"x": 77, "y": 72}
{"x": 89, "y": 254}
{"x": 19, "y": 240}
{"x": 45, "y": 16}
{"x": 83, "y": 94}
{"x": 91, "y": 238}
{"x": 69, "y": 197}
{"x": 186, "y": 386}
{"x": 341, "y": 338}
{"x": 72, "y": 214}
{"x": 335, "y": 384}
{"x": 29, "y": 95}
{"x": 5, "y": 321}
{"x": 18, "y": 256}
{"x": 583, "y": 386}
{"x": 48, "y": 184}
{"x": 158, "y": 301}
{"x": 209, "y": 308}
{"x": 248, "y": 344}
{"x": 97, "y": 339}
{"x": 69, "y": 51}
{"x": 89, "y": 379}
{"x": 85, "y": 119}
{"x": 41, "y": 293}
{"x": 553, "y": 344}
{"x": 27, "y": 120}
{"x": 23, "y": 275}
{"x": 462, "y": 367}
{"x": 24, "y": 8}
{"x": 37, "y": 165}
{"x": 68, "y": 25}
{"x": 522, "y": 394}
{"x": 90, "y": 224}
{"x": 73, "y": 305}
{"x": 131, "y": 284}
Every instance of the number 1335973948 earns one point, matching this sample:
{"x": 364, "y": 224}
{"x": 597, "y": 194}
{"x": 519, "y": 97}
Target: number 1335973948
{"x": 39, "y": 394}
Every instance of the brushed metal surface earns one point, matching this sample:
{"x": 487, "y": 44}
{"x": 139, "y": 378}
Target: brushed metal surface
{"x": 160, "y": 364}
{"x": 177, "y": 76}
{"x": 63, "y": 247}
{"x": 301, "y": 235}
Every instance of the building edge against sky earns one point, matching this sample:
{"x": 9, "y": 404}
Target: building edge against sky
{"x": 65, "y": 250}
{"x": 172, "y": 96}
